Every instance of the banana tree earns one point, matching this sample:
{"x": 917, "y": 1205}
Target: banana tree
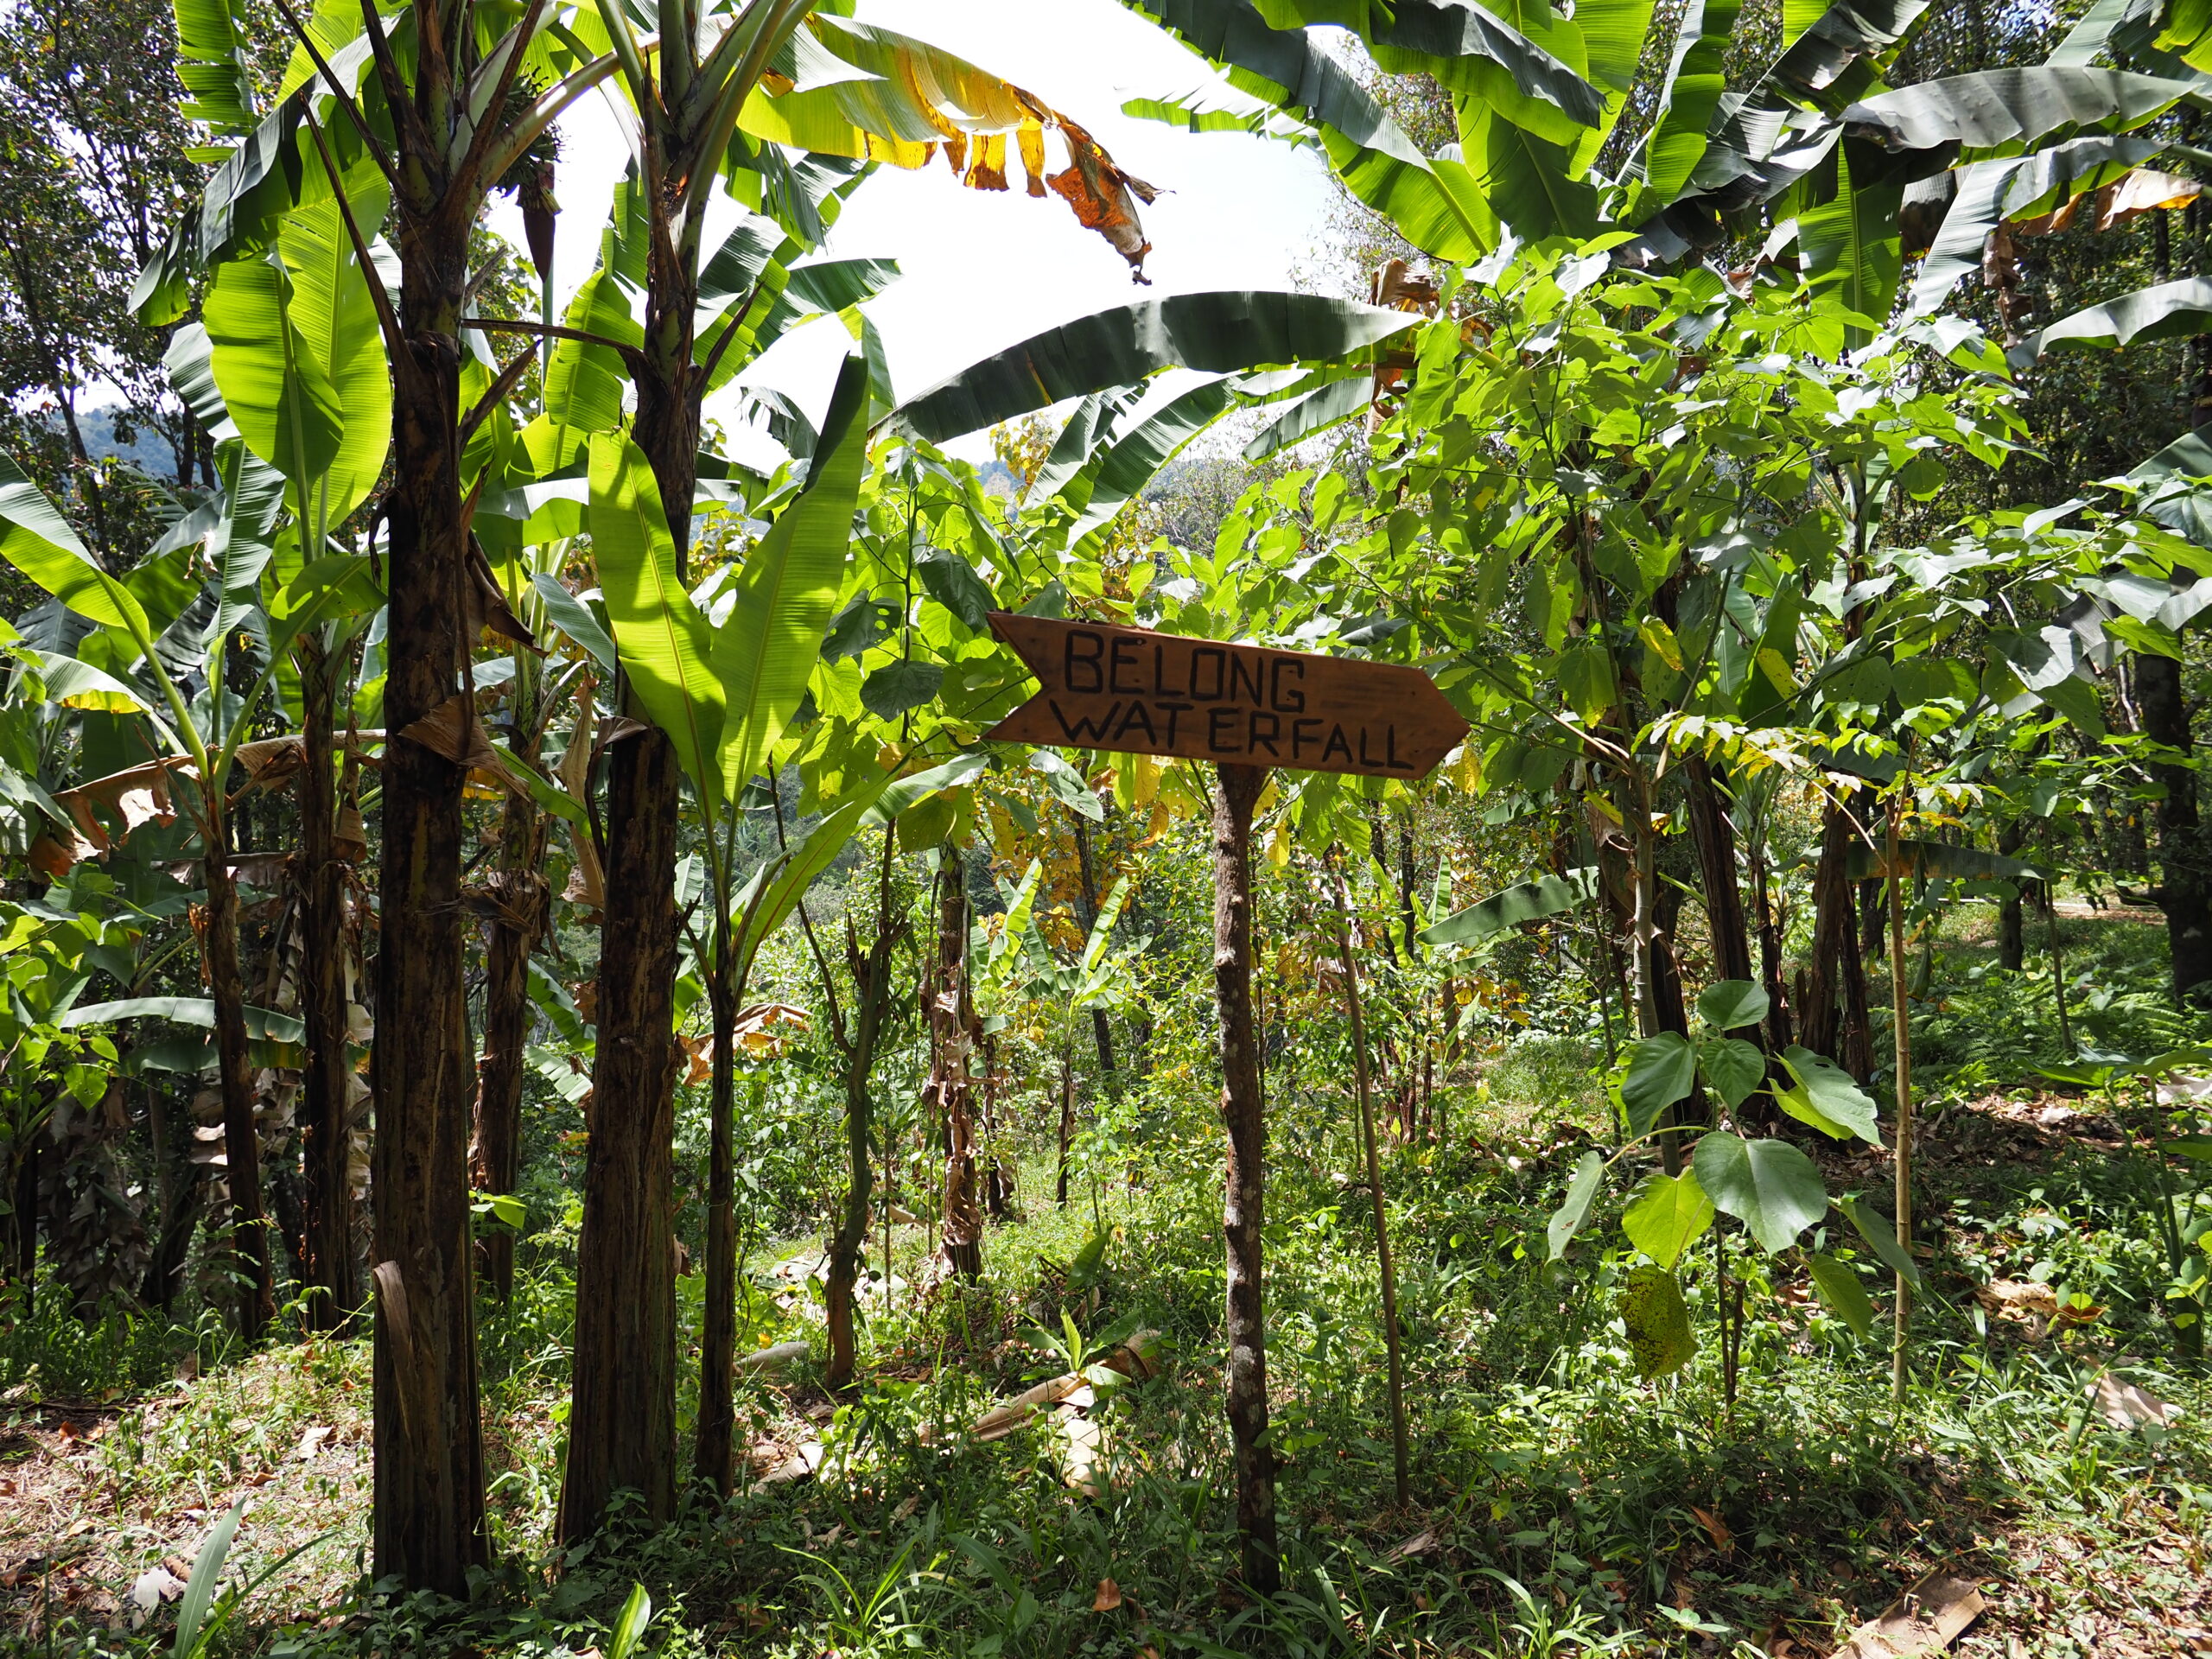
{"x": 726, "y": 93}
{"x": 163, "y": 647}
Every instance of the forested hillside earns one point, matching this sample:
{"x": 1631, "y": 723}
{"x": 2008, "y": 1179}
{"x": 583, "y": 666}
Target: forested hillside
{"x": 1509, "y": 953}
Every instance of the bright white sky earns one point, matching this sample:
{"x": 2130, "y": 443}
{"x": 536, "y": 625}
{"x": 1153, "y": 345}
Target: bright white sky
{"x": 985, "y": 270}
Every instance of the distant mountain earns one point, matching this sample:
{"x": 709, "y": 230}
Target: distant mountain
{"x": 148, "y": 450}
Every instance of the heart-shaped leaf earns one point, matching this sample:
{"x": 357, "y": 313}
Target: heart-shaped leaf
{"x": 1769, "y": 1185}
{"x": 1826, "y": 1098}
{"x": 1661, "y": 1069}
{"x": 1731, "y": 1004}
{"x": 1733, "y": 1067}
{"x": 1658, "y": 1323}
{"x": 1666, "y": 1215}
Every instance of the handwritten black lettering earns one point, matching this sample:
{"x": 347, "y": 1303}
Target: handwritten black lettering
{"x": 1125, "y": 655}
{"x": 1138, "y": 715}
{"x": 1299, "y": 739}
{"x": 1221, "y": 736}
{"x": 1240, "y": 684}
{"x": 1090, "y": 661}
{"x": 1277, "y": 669}
{"x": 1084, "y": 734}
{"x": 1219, "y": 657}
{"x": 1255, "y": 739}
{"x": 1172, "y": 709}
{"x": 1336, "y": 742}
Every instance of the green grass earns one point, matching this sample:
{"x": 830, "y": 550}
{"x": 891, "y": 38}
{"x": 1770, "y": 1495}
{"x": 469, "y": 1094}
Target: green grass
{"x": 1561, "y": 1504}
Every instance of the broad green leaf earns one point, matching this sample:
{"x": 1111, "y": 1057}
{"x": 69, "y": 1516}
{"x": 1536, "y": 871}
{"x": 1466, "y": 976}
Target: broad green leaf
{"x": 667, "y": 649}
{"x": 1695, "y": 80}
{"x": 1219, "y": 332}
{"x": 2198, "y": 1147}
{"x": 1825, "y": 1097}
{"x": 1581, "y": 1192}
{"x": 1992, "y": 107}
{"x": 896, "y": 687}
{"x": 574, "y": 618}
{"x": 1881, "y": 1235}
{"x": 1298, "y": 74}
{"x": 2168, "y": 311}
{"x": 767, "y": 652}
{"x": 1662, "y": 1070}
{"x": 212, "y": 63}
{"x": 334, "y": 315}
{"x": 1528, "y": 181}
{"x": 285, "y": 404}
{"x": 1841, "y": 1292}
{"x": 1767, "y": 1185}
{"x": 952, "y": 582}
{"x": 1733, "y": 1067}
{"x": 1666, "y": 1215}
{"x": 75, "y": 683}
{"x": 1853, "y": 250}
{"x": 185, "y": 1011}
{"x": 1658, "y": 1322}
{"x": 1731, "y": 1004}
{"x": 1524, "y": 902}
{"x": 37, "y": 540}
{"x": 584, "y": 384}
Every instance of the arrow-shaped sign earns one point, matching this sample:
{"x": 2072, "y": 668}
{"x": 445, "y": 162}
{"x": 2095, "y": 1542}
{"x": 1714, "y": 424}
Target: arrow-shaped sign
{"x": 1132, "y": 691}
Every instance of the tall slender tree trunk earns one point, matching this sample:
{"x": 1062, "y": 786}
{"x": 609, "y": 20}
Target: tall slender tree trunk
{"x": 1102, "y": 1030}
{"x": 518, "y": 902}
{"x": 952, "y": 1023}
{"x": 1836, "y": 996}
{"x": 1067, "y": 1120}
{"x": 1712, "y": 835}
{"x": 872, "y": 999}
{"x": 714, "y": 1451}
{"x": 2185, "y": 873}
{"x": 2011, "y": 934}
{"x": 622, "y": 1414}
{"x": 250, "y": 1252}
{"x": 429, "y": 1466}
{"x": 329, "y": 1221}
{"x": 998, "y": 1182}
{"x": 1245, "y": 1184}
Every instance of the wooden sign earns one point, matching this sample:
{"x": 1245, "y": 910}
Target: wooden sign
{"x": 1131, "y": 691}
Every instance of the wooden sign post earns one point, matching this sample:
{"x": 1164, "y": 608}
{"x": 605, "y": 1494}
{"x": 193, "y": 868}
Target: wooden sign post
{"x": 1246, "y": 708}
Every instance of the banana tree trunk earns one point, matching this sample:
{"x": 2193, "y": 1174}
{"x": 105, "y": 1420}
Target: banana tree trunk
{"x": 430, "y": 1473}
{"x": 250, "y": 1253}
{"x": 1245, "y": 1178}
{"x": 329, "y": 1221}
{"x": 622, "y": 1415}
{"x": 518, "y": 906}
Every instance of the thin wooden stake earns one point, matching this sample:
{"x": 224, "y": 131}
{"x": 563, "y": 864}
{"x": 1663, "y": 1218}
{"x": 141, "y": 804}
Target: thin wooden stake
{"x": 1901, "y": 1033}
{"x": 1374, "y": 1188}
{"x": 1245, "y": 1376}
